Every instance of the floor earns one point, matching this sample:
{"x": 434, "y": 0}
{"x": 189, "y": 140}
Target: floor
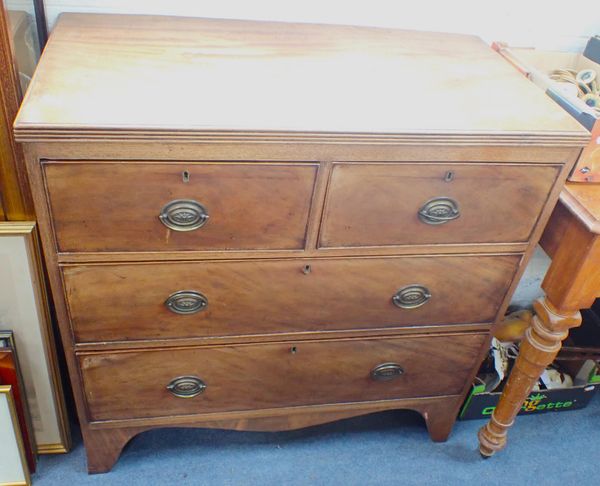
{"x": 390, "y": 448}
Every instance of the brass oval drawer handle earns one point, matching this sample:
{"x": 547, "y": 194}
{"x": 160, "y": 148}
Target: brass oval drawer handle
{"x": 411, "y": 296}
{"x": 186, "y": 302}
{"x": 183, "y": 215}
{"x": 386, "y": 372}
{"x": 439, "y": 210}
{"x": 186, "y": 386}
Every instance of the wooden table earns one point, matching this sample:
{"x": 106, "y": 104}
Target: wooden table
{"x": 572, "y": 240}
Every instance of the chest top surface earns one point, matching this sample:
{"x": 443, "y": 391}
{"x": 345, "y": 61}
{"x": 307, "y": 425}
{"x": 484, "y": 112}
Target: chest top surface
{"x": 124, "y": 76}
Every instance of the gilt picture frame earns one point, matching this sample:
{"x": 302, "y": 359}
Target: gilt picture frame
{"x": 10, "y": 374}
{"x": 24, "y": 310}
{"x": 13, "y": 461}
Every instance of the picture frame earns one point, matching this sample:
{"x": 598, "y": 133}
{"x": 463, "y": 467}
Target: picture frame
{"x": 13, "y": 461}
{"x": 24, "y": 309}
{"x": 40, "y": 22}
{"x": 28, "y": 32}
{"x": 23, "y": 34}
{"x": 10, "y": 374}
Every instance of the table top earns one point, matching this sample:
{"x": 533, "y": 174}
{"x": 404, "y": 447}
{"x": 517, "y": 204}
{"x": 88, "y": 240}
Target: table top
{"x": 119, "y": 76}
{"x": 583, "y": 201}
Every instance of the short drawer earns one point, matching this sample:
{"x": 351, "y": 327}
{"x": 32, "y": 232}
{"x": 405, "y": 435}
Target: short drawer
{"x": 154, "y": 383}
{"x": 123, "y": 207}
{"x": 204, "y": 299}
{"x": 412, "y": 204}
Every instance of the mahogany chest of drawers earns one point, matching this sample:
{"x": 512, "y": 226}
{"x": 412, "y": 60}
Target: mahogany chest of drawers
{"x": 266, "y": 226}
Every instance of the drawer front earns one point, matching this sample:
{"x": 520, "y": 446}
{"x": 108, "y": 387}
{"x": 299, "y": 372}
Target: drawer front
{"x": 411, "y": 204}
{"x": 179, "y": 206}
{"x": 136, "y": 384}
{"x": 186, "y": 299}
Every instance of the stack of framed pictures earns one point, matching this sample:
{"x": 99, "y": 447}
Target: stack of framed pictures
{"x": 10, "y": 374}
{"x": 14, "y": 470}
{"x": 24, "y": 311}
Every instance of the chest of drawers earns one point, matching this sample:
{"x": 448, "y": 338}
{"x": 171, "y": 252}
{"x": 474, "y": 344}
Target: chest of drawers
{"x": 266, "y": 226}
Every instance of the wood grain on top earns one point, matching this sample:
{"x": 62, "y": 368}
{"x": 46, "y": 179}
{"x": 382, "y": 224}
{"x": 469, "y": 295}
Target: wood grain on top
{"x": 122, "y": 77}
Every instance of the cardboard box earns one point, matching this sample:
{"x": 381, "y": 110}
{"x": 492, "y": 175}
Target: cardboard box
{"x": 480, "y": 404}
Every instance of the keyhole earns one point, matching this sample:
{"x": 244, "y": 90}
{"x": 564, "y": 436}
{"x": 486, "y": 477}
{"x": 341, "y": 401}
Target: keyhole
{"x": 293, "y": 350}
{"x": 186, "y": 176}
{"x": 306, "y": 269}
{"x": 449, "y": 176}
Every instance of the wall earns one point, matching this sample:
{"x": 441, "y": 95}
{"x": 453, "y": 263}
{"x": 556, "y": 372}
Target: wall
{"x": 549, "y": 24}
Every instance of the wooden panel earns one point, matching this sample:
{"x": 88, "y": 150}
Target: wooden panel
{"x": 378, "y": 204}
{"x": 249, "y": 377}
{"x": 115, "y": 206}
{"x": 124, "y": 302}
{"x": 100, "y": 75}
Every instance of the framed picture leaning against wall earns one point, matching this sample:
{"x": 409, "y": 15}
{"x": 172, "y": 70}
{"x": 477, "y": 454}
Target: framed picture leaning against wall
{"x": 24, "y": 311}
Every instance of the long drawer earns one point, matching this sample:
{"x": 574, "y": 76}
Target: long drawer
{"x": 119, "y": 206}
{"x": 410, "y": 204}
{"x": 109, "y": 302}
{"x": 137, "y": 384}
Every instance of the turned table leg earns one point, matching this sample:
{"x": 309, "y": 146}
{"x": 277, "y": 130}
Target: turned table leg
{"x": 542, "y": 342}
